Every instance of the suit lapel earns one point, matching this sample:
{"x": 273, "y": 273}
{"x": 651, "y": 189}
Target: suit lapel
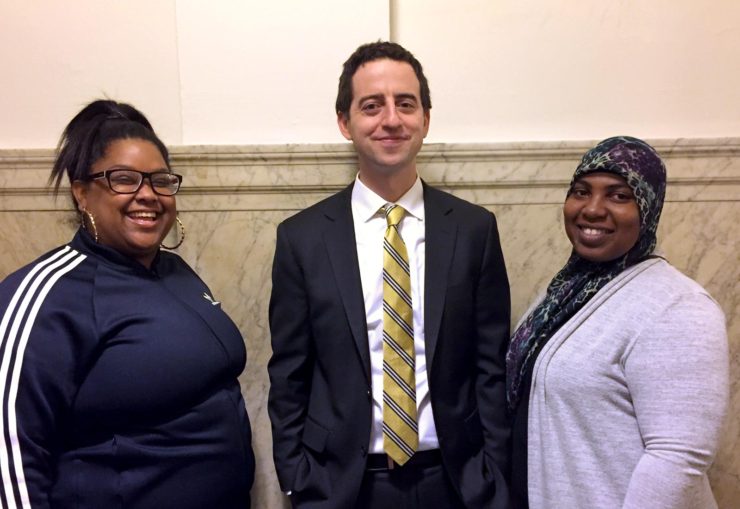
{"x": 341, "y": 246}
{"x": 440, "y": 233}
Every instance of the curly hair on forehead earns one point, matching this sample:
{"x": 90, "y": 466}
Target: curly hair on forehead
{"x": 89, "y": 134}
{"x": 378, "y": 51}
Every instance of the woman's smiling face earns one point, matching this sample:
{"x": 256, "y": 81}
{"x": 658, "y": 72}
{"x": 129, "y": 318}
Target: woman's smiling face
{"x": 133, "y": 224}
{"x": 602, "y": 219}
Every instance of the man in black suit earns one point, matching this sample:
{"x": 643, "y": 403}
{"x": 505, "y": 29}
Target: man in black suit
{"x": 336, "y": 442}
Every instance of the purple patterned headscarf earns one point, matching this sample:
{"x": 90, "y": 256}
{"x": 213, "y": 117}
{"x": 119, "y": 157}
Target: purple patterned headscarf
{"x": 579, "y": 280}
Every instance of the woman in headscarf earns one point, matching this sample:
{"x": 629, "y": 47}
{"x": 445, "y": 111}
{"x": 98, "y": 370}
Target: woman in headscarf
{"x": 617, "y": 378}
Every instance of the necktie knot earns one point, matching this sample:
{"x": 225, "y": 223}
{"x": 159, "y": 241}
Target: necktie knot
{"x": 393, "y": 214}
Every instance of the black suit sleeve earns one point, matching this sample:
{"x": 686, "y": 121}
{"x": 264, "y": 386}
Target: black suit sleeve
{"x": 291, "y": 362}
{"x": 492, "y": 314}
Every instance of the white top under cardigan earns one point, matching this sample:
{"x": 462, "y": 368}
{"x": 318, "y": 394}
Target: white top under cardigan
{"x": 628, "y": 397}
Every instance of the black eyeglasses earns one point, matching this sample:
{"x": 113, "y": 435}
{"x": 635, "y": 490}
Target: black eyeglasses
{"x": 129, "y": 181}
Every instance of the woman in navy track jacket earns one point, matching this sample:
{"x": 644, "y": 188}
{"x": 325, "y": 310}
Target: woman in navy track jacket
{"x": 118, "y": 367}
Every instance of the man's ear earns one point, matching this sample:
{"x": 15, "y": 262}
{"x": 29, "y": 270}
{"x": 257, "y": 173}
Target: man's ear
{"x": 426, "y": 122}
{"x": 343, "y": 123}
{"x": 79, "y": 191}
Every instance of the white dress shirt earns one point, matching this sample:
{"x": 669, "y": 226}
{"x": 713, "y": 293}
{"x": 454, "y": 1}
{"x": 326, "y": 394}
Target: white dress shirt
{"x": 370, "y": 225}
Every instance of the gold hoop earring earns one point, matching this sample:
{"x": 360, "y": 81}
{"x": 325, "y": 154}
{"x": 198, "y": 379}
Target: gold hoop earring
{"x": 182, "y": 236}
{"x": 86, "y": 213}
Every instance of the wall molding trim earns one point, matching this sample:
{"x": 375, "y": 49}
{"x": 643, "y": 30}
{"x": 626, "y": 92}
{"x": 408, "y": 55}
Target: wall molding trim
{"x": 244, "y": 177}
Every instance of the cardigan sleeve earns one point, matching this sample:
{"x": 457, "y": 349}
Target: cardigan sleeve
{"x": 678, "y": 376}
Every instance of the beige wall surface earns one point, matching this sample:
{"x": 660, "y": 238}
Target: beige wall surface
{"x": 255, "y": 72}
{"x": 234, "y": 196}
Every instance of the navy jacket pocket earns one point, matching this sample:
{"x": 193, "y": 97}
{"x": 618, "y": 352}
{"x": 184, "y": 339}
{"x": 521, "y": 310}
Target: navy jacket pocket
{"x": 314, "y": 435}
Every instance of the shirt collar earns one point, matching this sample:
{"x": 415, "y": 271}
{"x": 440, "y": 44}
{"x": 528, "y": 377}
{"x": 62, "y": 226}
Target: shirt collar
{"x": 366, "y": 204}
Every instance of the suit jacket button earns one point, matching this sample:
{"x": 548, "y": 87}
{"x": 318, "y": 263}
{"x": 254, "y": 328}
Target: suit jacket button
{"x": 363, "y": 449}
{"x": 369, "y": 395}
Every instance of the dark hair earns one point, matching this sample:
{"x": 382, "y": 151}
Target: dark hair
{"x": 377, "y": 51}
{"x": 92, "y": 130}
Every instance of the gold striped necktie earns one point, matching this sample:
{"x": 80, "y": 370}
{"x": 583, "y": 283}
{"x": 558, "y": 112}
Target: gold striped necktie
{"x": 400, "y": 431}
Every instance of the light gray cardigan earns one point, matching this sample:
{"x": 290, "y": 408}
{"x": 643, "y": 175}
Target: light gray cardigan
{"x": 628, "y": 397}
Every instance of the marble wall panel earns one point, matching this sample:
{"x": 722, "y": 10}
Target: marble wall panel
{"x": 234, "y": 196}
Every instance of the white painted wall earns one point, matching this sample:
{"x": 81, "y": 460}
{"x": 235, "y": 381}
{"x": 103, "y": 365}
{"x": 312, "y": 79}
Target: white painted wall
{"x": 253, "y": 72}
{"x": 55, "y": 56}
{"x": 219, "y": 72}
{"x": 508, "y": 70}
{"x": 267, "y": 71}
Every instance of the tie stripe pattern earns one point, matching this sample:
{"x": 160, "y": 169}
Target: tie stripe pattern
{"x": 400, "y": 430}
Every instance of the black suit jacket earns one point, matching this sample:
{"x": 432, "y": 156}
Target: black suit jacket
{"x": 320, "y": 401}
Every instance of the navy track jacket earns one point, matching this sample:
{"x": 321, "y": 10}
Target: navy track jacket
{"x": 119, "y": 386}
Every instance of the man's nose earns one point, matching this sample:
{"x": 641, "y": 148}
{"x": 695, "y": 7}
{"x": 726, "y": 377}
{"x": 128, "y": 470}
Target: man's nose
{"x": 391, "y": 118}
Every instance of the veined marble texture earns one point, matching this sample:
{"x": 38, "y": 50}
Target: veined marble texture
{"x": 233, "y": 197}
